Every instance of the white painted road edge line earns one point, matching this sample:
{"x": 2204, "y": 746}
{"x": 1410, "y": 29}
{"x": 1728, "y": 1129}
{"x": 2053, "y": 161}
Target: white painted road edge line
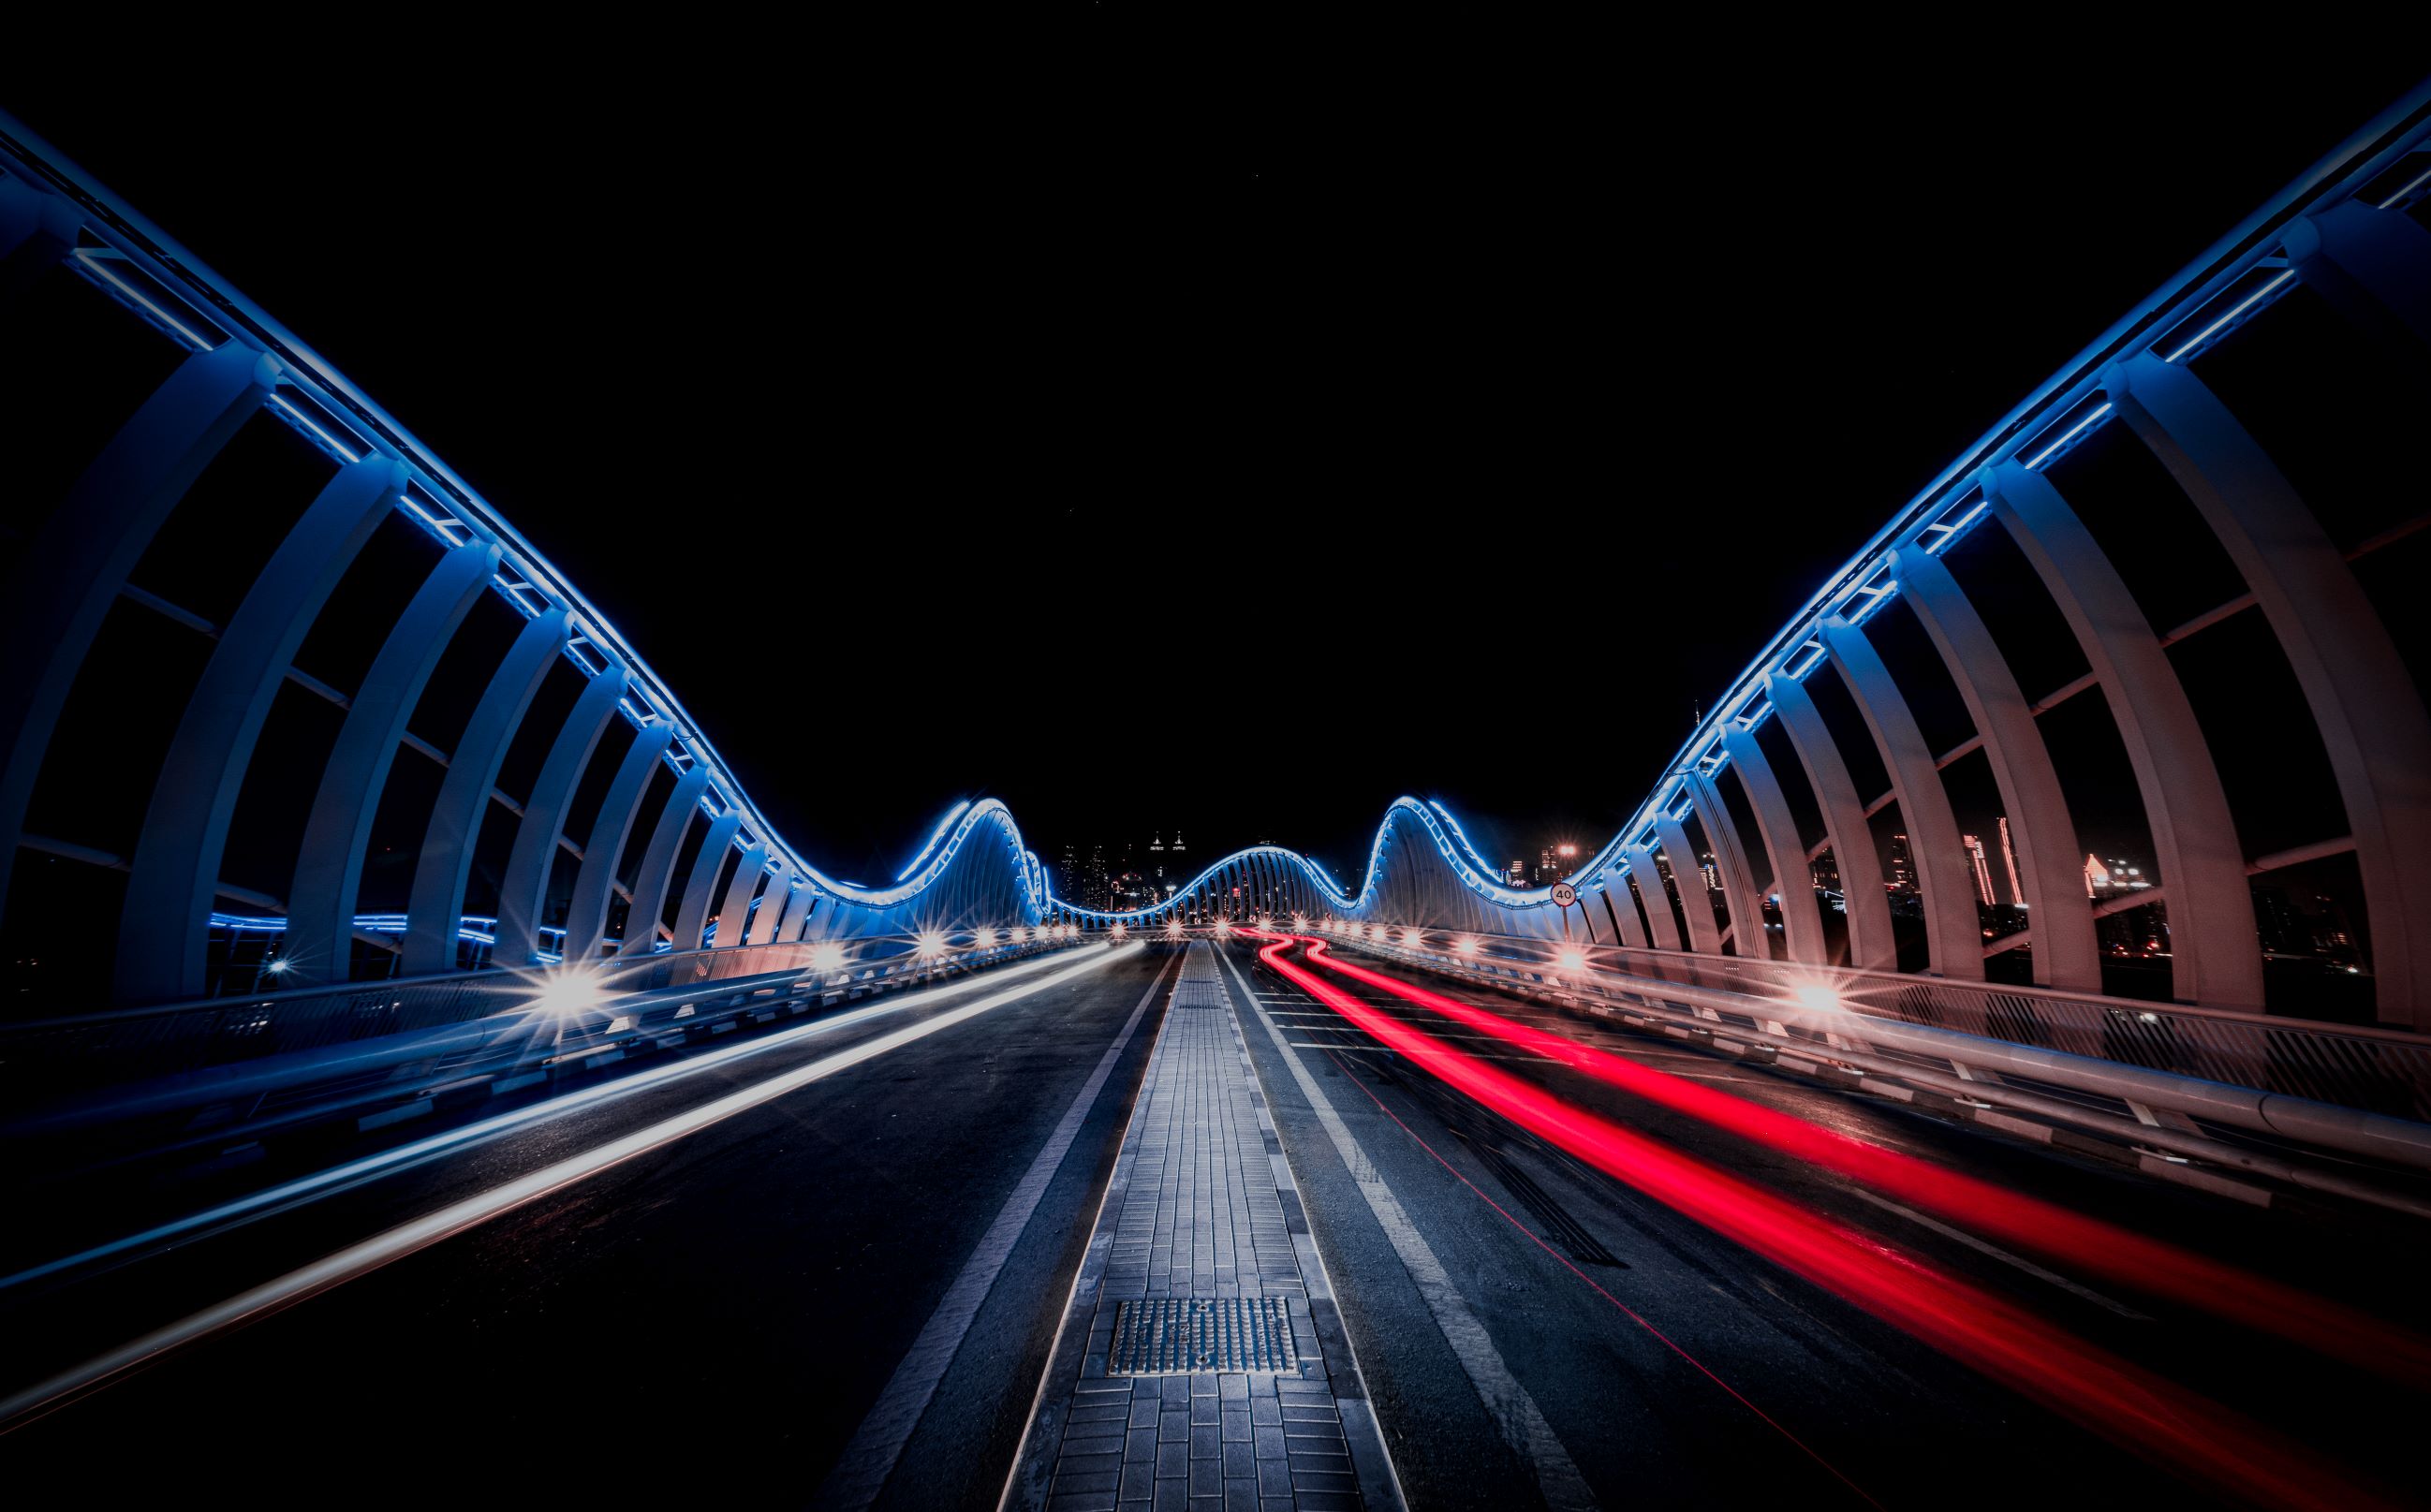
{"x": 370, "y": 1253}
{"x": 1998, "y": 1253}
{"x": 293, "y": 1194}
{"x": 1515, "y": 1413}
{"x": 861, "y": 1472}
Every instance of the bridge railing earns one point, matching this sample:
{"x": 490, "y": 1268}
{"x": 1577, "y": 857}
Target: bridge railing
{"x": 48, "y": 1059}
{"x": 2369, "y": 1070}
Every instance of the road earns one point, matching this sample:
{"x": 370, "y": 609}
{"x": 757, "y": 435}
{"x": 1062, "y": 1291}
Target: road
{"x": 695, "y": 1276}
{"x": 710, "y": 1318}
{"x": 1673, "y": 1366}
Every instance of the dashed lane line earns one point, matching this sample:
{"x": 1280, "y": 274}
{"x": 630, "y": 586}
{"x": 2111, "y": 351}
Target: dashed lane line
{"x": 2004, "y": 1256}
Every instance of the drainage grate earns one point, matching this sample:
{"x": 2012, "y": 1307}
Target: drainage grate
{"x": 1174, "y": 1336}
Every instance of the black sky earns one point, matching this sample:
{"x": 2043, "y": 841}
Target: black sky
{"x": 1200, "y": 422}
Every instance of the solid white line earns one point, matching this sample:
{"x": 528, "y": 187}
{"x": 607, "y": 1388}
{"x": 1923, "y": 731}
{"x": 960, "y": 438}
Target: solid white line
{"x": 1998, "y": 1253}
{"x": 1515, "y": 1412}
{"x": 370, "y": 1253}
{"x": 877, "y": 1445}
{"x": 294, "y": 1194}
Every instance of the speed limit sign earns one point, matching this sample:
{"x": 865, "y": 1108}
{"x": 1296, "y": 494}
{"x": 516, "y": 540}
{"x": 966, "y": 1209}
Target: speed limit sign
{"x": 1564, "y": 894}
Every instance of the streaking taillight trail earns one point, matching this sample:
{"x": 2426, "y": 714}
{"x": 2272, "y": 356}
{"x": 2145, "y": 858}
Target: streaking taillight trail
{"x": 2091, "y": 1244}
{"x": 2108, "y": 1395}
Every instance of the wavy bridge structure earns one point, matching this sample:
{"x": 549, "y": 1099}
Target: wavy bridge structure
{"x": 402, "y": 745}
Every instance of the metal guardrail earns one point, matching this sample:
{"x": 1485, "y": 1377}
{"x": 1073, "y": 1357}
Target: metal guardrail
{"x": 48, "y": 1058}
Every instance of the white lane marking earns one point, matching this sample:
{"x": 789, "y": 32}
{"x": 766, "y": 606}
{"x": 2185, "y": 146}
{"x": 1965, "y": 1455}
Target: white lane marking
{"x": 294, "y": 1194}
{"x": 878, "y": 1443}
{"x": 1514, "y": 1411}
{"x": 1998, "y": 1253}
{"x": 357, "y": 1259}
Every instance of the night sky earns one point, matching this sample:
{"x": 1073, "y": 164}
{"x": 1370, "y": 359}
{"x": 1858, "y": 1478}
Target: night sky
{"x": 1203, "y": 424}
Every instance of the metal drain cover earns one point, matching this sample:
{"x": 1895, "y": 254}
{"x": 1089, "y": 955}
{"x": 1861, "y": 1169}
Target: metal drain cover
{"x": 1175, "y": 1336}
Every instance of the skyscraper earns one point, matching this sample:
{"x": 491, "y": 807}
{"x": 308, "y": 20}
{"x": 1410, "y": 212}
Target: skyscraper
{"x": 1982, "y": 871}
{"x": 2009, "y": 860}
{"x": 1903, "y": 870}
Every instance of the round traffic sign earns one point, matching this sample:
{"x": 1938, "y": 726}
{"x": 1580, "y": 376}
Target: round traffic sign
{"x": 1564, "y": 894}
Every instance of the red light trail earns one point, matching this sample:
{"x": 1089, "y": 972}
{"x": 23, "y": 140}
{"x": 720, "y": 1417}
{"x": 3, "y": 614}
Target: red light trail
{"x": 2119, "y": 1254}
{"x": 2106, "y": 1394}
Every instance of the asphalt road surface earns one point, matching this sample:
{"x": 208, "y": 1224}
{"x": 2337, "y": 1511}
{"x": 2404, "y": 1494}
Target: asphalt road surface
{"x": 696, "y": 1278}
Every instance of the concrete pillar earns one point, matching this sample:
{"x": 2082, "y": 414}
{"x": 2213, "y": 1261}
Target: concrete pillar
{"x": 329, "y": 864}
{"x": 691, "y": 915}
{"x": 1622, "y": 908}
{"x": 800, "y": 904}
{"x": 164, "y": 929}
{"x": 736, "y": 910}
{"x": 1802, "y": 920}
{"x": 437, "y": 910}
{"x": 658, "y": 862}
{"x": 1696, "y": 899}
{"x": 1659, "y": 902}
{"x": 1872, "y": 944}
{"x": 2362, "y": 698}
{"x": 54, "y": 602}
{"x": 773, "y": 904}
{"x": 1739, "y": 893}
{"x": 586, "y": 912}
{"x": 523, "y": 891}
{"x": 2049, "y": 865}
{"x": 1953, "y": 929}
{"x": 2216, "y": 958}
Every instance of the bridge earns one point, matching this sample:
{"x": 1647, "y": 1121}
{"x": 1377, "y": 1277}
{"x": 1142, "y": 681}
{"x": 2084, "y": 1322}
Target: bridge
{"x": 416, "y": 1034}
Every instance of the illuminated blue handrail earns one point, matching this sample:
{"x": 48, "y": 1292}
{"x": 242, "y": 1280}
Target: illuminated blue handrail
{"x": 2052, "y": 410}
{"x": 319, "y": 402}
